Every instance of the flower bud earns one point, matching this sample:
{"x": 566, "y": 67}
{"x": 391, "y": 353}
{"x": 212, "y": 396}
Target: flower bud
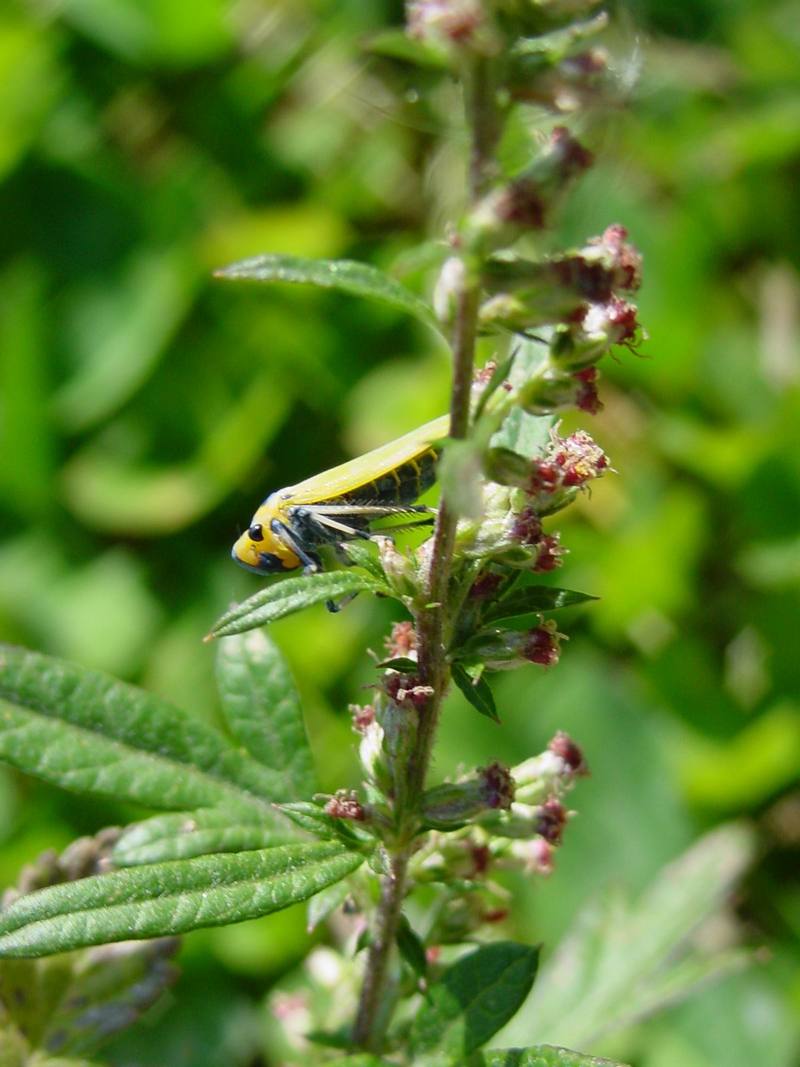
{"x": 449, "y": 284}
{"x": 525, "y": 294}
{"x": 345, "y": 805}
{"x": 398, "y": 567}
{"x": 556, "y": 389}
{"x": 399, "y": 720}
{"x": 618, "y": 259}
{"x": 564, "y": 747}
{"x": 506, "y": 467}
{"x": 373, "y": 758}
{"x": 551, "y": 820}
{"x": 362, "y": 716}
{"x": 536, "y": 855}
{"x": 402, "y": 641}
{"x": 543, "y": 645}
{"x": 539, "y": 777}
{"x": 614, "y": 322}
{"x": 505, "y": 650}
{"x": 523, "y": 204}
{"x": 449, "y": 806}
{"x": 568, "y": 465}
{"x": 406, "y": 690}
{"x": 455, "y": 25}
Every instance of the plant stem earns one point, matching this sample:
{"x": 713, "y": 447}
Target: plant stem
{"x": 432, "y": 617}
{"x": 370, "y": 1021}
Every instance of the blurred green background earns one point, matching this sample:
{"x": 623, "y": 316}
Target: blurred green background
{"x": 145, "y": 409}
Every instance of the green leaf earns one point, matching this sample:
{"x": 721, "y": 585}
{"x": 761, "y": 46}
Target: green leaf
{"x": 622, "y": 960}
{"x": 460, "y": 476}
{"x": 75, "y": 1004}
{"x": 181, "y": 835}
{"x": 286, "y": 597}
{"x": 315, "y": 821}
{"x": 397, "y": 44}
{"x": 557, "y": 44}
{"x": 346, "y": 275}
{"x": 325, "y": 903}
{"x": 399, "y": 663}
{"x": 170, "y": 898}
{"x": 363, "y": 555}
{"x": 474, "y": 998}
{"x": 533, "y": 599}
{"x": 541, "y": 1056}
{"x": 411, "y": 947}
{"x": 262, "y": 709}
{"x": 88, "y": 732}
{"x": 526, "y": 435}
{"x": 478, "y": 693}
{"x": 363, "y": 1059}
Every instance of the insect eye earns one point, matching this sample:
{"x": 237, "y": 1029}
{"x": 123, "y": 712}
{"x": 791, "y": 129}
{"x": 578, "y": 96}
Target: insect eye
{"x": 256, "y": 532}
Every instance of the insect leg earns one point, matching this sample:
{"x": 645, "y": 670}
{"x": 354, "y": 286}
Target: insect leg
{"x": 334, "y": 606}
{"x": 310, "y": 560}
{"x": 332, "y": 524}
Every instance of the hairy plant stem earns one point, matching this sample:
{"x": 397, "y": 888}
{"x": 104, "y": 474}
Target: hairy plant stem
{"x": 431, "y": 619}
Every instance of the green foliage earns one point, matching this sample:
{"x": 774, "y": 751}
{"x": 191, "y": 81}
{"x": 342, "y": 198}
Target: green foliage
{"x": 170, "y": 898}
{"x": 541, "y": 1056}
{"x": 624, "y": 959}
{"x": 262, "y": 710}
{"x": 531, "y": 600}
{"x": 291, "y": 595}
{"x": 139, "y": 151}
{"x": 358, "y": 279}
{"x": 472, "y": 1000}
{"x": 46, "y": 1001}
{"x": 477, "y": 692}
{"x": 84, "y": 730}
{"x": 181, "y": 835}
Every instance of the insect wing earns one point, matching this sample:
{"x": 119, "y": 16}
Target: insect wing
{"x": 349, "y": 476}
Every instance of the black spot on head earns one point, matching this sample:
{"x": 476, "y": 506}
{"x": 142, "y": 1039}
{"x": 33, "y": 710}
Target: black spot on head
{"x": 256, "y": 532}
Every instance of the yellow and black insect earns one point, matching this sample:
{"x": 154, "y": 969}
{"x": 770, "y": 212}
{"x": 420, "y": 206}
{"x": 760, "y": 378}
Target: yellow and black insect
{"x": 338, "y": 505}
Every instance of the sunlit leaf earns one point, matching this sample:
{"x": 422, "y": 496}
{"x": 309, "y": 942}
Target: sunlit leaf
{"x": 349, "y": 276}
{"x": 170, "y": 898}
{"x": 181, "y": 835}
{"x": 290, "y": 595}
{"x": 533, "y": 599}
{"x": 262, "y": 709}
{"x": 541, "y": 1056}
{"x": 86, "y": 731}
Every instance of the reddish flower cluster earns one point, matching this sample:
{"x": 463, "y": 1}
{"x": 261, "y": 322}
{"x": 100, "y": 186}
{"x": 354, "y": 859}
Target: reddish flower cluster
{"x": 527, "y": 530}
{"x": 362, "y": 715}
{"x": 345, "y": 805}
{"x": 615, "y": 320}
{"x": 406, "y": 690}
{"x": 453, "y": 20}
{"x": 552, "y": 818}
{"x": 587, "y": 397}
{"x": 563, "y": 746}
{"x": 497, "y": 785}
{"x": 485, "y": 585}
{"x": 570, "y": 462}
{"x": 542, "y": 645}
{"x": 402, "y": 641}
